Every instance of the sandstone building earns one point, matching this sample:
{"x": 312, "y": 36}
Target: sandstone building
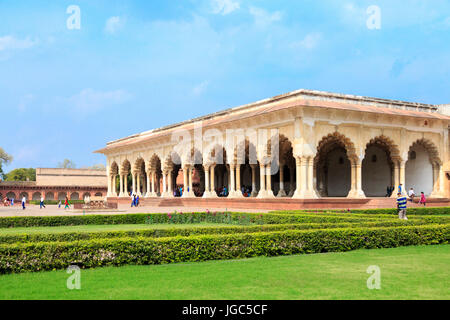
{"x": 56, "y": 184}
{"x": 327, "y": 145}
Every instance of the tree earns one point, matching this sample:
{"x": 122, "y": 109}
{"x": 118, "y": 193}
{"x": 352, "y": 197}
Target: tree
{"x": 67, "y": 164}
{"x": 4, "y": 159}
{"x": 21, "y": 174}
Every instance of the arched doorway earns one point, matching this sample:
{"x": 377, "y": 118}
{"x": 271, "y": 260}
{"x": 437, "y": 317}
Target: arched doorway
{"x": 75, "y": 196}
{"x": 125, "y": 173}
{"x": 249, "y": 169}
{"x": 36, "y": 196}
{"x": 221, "y": 172}
{"x": 283, "y": 182}
{"x": 24, "y": 194}
{"x": 333, "y": 166}
{"x": 378, "y": 167}
{"x": 422, "y": 168}
{"x": 139, "y": 181}
{"x": 50, "y": 196}
{"x": 11, "y": 195}
{"x": 155, "y": 176}
{"x": 114, "y": 182}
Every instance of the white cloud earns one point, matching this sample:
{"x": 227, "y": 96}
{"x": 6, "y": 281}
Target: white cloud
{"x": 199, "y": 89}
{"x": 310, "y": 41}
{"x": 114, "y": 24}
{"x": 12, "y": 43}
{"x": 264, "y": 18}
{"x": 90, "y": 101}
{"x": 224, "y": 7}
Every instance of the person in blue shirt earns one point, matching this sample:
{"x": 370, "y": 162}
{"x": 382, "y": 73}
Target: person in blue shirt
{"x": 401, "y": 206}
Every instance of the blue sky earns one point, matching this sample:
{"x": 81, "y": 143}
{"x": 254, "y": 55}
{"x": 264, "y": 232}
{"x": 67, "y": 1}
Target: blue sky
{"x": 138, "y": 65}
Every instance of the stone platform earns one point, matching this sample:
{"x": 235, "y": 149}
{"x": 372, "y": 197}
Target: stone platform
{"x": 277, "y": 203}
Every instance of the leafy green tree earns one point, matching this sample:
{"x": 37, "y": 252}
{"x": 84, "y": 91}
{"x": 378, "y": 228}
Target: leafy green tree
{"x": 4, "y": 159}
{"x": 67, "y": 164}
{"x": 21, "y": 174}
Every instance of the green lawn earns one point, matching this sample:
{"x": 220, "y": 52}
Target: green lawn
{"x": 95, "y": 228}
{"x": 406, "y": 273}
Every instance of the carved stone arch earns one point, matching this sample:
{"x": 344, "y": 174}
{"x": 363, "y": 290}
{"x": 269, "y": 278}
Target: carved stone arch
{"x": 333, "y": 162}
{"x": 217, "y": 154}
{"x": 139, "y": 165}
{"x": 154, "y": 163}
{"x": 114, "y": 168}
{"x": 386, "y": 144}
{"x": 433, "y": 151}
{"x": 333, "y": 139}
{"x": 125, "y": 166}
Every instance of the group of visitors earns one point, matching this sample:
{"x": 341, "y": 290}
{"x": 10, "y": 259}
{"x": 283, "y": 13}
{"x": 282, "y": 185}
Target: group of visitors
{"x": 411, "y": 194}
{"x": 402, "y": 201}
{"x": 246, "y": 191}
{"x": 134, "y": 200}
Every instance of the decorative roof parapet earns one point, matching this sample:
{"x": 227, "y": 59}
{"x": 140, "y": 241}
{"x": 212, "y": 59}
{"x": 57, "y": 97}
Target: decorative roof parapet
{"x": 302, "y": 94}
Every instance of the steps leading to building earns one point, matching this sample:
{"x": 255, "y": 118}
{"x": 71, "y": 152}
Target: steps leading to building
{"x": 279, "y": 204}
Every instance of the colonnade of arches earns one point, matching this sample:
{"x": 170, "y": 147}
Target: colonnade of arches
{"x": 49, "y": 195}
{"x": 336, "y": 170}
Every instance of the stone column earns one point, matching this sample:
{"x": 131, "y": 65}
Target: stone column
{"x": 121, "y": 194}
{"x": 441, "y": 181}
{"x": 299, "y": 193}
{"x": 125, "y": 184}
{"x": 269, "y": 191}
{"x": 207, "y": 193}
{"x": 185, "y": 182}
{"x": 110, "y": 186}
{"x": 232, "y": 192}
{"x": 310, "y": 190}
{"x": 138, "y": 186}
{"x": 164, "y": 191}
{"x": 213, "y": 182}
{"x": 153, "y": 192}
{"x": 402, "y": 176}
{"x": 238, "y": 182}
{"x": 356, "y": 190}
{"x": 396, "y": 179}
{"x": 133, "y": 181}
{"x": 254, "y": 192}
{"x": 149, "y": 193}
{"x": 191, "y": 173}
{"x": 170, "y": 177}
{"x": 282, "y": 192}
{"x": 262, "y": 181}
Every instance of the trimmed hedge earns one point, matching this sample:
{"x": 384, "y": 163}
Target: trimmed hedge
{"x": 188, "y": 231}
{"x": 391, "y": 211}
{"x": 155, "y": 218}
{"x": 143, "y": 251}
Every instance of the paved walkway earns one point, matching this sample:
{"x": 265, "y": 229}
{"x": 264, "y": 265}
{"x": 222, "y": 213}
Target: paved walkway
{"x": 53, "y": 210}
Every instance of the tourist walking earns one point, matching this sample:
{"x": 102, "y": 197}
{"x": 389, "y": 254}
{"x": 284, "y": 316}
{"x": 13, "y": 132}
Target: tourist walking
{"x": 133, "y": 200}
{"x": 137, "y": 201}
{"x": 42, "y": 205}
{"x": 401, "y": 206}
{"x": 24, "y": 201}
{"x": 12, "y": 202}
{"x": 423, "y": 200}
{"x": 67, "y": 204}
{"x": 400, "y": 188}
{"x": 411, "y": 194}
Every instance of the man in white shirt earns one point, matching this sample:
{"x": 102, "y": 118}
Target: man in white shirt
{"x": 42, "y": 203}
{"x": 24, "y": 201}
{"x": 411, "y": 194}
